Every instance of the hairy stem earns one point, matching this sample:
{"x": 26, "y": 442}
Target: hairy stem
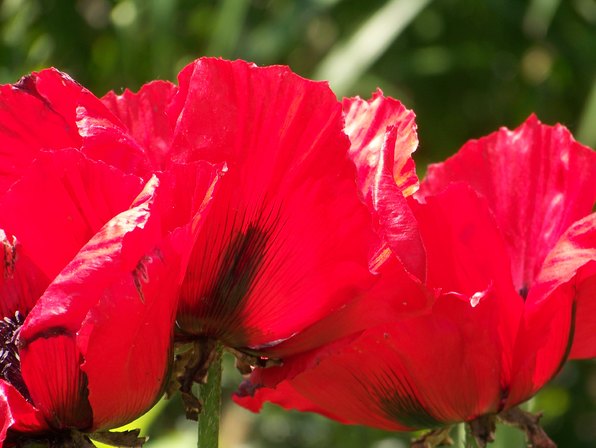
{"x": 210, "y": 396}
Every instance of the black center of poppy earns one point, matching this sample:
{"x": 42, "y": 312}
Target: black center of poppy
{"x": 10, "y": 363}
{"x": 523, "y": 292}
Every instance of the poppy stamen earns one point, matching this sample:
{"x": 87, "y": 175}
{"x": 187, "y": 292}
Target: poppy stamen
{"x": 10, "y": 362}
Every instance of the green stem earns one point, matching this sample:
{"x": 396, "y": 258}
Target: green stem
{"x": 469, "y": 441}
{"x": 210, "y": 396}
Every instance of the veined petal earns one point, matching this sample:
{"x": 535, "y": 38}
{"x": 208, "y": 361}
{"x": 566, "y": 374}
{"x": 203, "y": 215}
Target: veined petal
{"x": 467, "y": 257}
{"x": 399, "y": 376}
{"x": 397, "y": 224}
{"x": 559, "y": 315}
{"x": 72, "y": 196}
{"x": 37, "y": 113}
{"x": 368, "y": 124}
{"x": 17, "y": 414}
{"x": 395, "y": 294}
{"x": 383, "y": 137}
{"x": 287, "y": 230}
{"x": 136, "y": 312}
{"x": 139, "y": 302}
{"x": 144, "y": 115}
{"x": 537, "y": 179}
{"x": 50, "y": 365}
{"x": 67, "y": 300}
{"x": 566, "y": 284}
{"x": 116, "y": 301}
{"x": 106, "y": 139}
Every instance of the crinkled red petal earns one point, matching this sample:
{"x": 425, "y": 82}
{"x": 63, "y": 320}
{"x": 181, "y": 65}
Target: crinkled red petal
{"x": 368, "y": 124}
{"x": 106, "y": 139}
{"x": 145, "y": 308}
{"x": 144, "y": 115}
{"x": 116, "y": 301}
{"x": 37, "y": 113}
{"x": 287, "y": 239}
{"x": 559, "y": 316}
{"x": 415, "y": 373}
{"x": 383, "y": 136}
{"x": 468, "y": 257}
{"x": 573, "y": 262}
{"x": 396, "y": 222}
{"x": 537, "y": 179}
{"x": 62, "y": 200}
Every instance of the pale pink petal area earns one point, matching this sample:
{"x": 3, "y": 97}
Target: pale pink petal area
{"x": 397, "y": 225}
{"x": 368, "y": 124}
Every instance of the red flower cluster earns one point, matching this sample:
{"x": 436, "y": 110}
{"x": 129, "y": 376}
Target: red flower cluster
{"x": 510, "y": 258}
{"x": 248, "y": 206}
{"x": 95, "y": 244}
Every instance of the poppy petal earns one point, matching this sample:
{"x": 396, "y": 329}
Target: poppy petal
{"x": 568, "y": 276}
{"x": 50, "y": 365}
{"x": 16, "y": 413}
{"x": 144, "y": 115}
{"x": 142, "y": 318}
{"x": 21, "y": 282}
{"x": 287, "y": 230}
{"x": 113, "y": 260}
{"x": 144, "y": 313}
{"x": 397, "y": 224}
{"x": 34, "y": 116}
{"x": 539, "y": 166}
{"x": 86, "y": 193}
{"x": 395, "y": 294}
{"x": 543, "y": 343}
{"x": 116, "y": 301}
{"x": 393, "y": 384}
{"x": 383, "y": 137}
{"x": 559, "y": 319}
{"x": 467, "y": 257}
{"x": 584, "y": 337}
{"x": 368, "y": 124}
{"x": 106, "y": 139}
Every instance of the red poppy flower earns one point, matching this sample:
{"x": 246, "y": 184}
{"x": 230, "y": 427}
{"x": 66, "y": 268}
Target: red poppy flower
{"x": 288, "y": 238}
{"x": 93, "y": 257}
{"x": 510, "y": 254}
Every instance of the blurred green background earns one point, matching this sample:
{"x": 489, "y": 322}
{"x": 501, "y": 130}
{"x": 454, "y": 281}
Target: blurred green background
{"x": 465, "y": 66}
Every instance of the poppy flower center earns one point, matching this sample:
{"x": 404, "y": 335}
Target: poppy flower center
{"x": 10, "y": 363}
